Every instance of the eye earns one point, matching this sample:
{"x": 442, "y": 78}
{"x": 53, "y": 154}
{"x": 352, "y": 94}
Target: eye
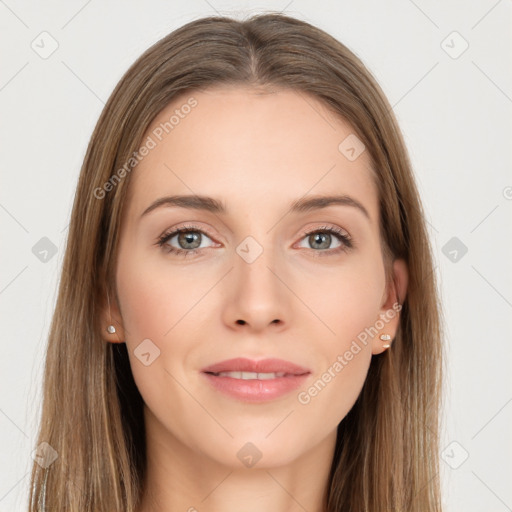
{"x": 321, "y": 239}
{"x": 189, "y": 239}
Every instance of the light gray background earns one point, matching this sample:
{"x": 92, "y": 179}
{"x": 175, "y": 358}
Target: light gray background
{"x": 455, "y": 114}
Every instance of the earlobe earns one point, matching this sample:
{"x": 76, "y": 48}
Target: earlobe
{"x": 381, "y": 343}
{"x": 389, "y": 317}
{"x": 111, "y": 323}
{"x": 386, "y": 338}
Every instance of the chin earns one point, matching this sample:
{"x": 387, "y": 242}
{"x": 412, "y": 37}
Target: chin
{"x": 258, "y": 450}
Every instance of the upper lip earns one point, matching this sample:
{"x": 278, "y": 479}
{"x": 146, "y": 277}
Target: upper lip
{"x": 242, "y": 364}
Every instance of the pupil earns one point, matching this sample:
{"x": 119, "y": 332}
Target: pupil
{"x": 189, "y": 238}
{"x": 318, "y": 238}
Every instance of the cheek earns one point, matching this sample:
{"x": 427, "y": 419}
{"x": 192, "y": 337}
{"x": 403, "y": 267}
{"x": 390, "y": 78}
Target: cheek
{"x": 333, "y": 392}
{"x": 348, "y": 304}
{"x": 162, "y": 305}
{"x": 345, "y": 350}
{"x": 346, "y": 299}
{"x": 153, "y": 296}
{"x": 153, "y": 306}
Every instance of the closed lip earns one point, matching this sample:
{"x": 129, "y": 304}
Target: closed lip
{"x": 243, "y": 364}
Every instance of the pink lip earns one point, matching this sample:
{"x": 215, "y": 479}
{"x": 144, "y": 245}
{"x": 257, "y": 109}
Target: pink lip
{"x": 242, "y": 364}
{"x": 254, "y": 390}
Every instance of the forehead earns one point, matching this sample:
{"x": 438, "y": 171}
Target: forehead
{"x": 250, "y": 147}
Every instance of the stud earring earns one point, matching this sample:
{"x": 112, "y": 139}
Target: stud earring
{"x": 385, "y": 337}
{"x": 111, "y": 329}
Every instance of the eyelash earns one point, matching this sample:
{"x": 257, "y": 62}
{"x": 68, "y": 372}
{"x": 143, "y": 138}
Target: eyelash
{"x": 347, "y": 242}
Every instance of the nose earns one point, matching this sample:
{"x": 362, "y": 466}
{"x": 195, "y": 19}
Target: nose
{"x": 256, "y": 296}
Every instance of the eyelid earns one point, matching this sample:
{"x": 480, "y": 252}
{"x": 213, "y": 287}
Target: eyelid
{"x": 325, "y": 226}
{"x": 175, "y": 230}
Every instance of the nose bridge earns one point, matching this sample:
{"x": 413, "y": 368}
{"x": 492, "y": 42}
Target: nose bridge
{"x": 256, "y": 293}
{"x": 253, "y": 263}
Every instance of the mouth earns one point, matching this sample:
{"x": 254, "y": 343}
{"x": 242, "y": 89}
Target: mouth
{"x": 255, "y": 381}
{"x": 250, "y": 375}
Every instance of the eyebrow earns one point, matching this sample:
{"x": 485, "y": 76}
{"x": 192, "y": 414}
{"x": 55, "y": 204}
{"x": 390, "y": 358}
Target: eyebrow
{"x": 209, "y": 204}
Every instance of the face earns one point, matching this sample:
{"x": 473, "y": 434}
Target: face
{"x": 252, "y": 275}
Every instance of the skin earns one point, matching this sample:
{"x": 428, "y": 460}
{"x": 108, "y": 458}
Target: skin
{"x": 257, "y": 153}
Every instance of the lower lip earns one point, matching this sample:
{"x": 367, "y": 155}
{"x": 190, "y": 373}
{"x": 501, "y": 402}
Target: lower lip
{"x": 256, "y": 390}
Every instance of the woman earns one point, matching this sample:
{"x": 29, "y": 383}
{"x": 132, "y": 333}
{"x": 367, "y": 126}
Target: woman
{"x": 248, "y": 314}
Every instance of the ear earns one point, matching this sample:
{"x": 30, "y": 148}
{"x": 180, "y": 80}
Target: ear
{"x": 111, "y": 316}
{"x": 393, "y": 298}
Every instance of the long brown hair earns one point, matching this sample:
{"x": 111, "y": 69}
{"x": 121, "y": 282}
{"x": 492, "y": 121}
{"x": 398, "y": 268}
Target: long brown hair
{"x": 386, "y": 455}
